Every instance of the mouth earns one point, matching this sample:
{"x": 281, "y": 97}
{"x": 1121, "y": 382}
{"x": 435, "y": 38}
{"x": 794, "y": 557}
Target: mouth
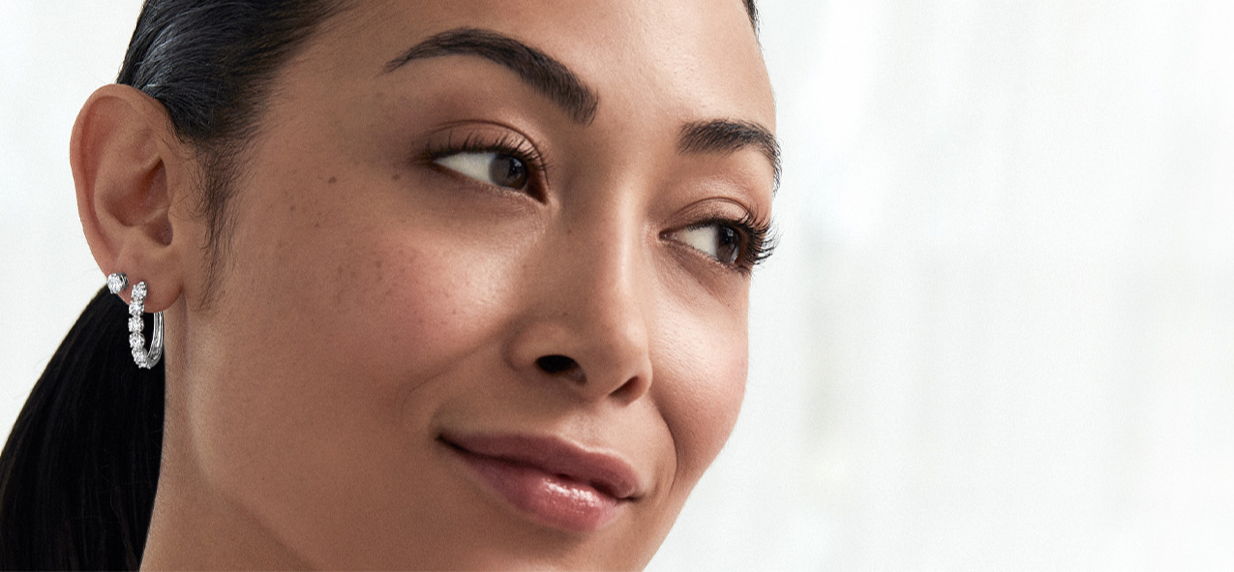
{"x": 553, "y": 482}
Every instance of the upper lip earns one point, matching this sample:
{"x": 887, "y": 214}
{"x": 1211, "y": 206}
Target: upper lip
{"x": 605, "y": 472}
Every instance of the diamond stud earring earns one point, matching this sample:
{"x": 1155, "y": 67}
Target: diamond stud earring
{"x": 116, "y": 283}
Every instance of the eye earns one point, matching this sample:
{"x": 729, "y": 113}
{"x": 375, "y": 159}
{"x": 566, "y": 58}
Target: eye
{"x": 715, "y": 239}
{"x": 493, "y": 168}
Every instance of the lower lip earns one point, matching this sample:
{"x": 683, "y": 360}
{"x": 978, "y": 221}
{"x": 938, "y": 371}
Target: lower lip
{"x": 550, "y": 499}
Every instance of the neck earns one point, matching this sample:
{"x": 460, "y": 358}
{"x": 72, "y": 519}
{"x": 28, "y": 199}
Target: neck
{"x": 194, "y": 525}
{"x": 193, "y": 529}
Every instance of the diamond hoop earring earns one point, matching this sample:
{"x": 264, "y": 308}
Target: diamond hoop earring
{"x": 116, "y": 283}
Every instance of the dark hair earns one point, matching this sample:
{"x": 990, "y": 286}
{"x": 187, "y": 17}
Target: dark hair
{"x": 80, "y": 468}
{"x": 78, "y": 473}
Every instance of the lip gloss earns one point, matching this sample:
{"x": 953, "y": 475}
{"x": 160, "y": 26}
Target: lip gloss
{"x": 551, "y": 480}
{"x": 554, "y": 500}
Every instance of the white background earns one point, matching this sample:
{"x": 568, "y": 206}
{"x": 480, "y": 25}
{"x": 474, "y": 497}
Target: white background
{"x": 998, "y": 334}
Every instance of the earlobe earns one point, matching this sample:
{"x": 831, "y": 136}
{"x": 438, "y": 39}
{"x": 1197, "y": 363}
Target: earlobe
{"x": 128, "y": 168}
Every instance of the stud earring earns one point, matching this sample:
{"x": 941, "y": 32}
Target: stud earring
{"x": 116, "y": 283}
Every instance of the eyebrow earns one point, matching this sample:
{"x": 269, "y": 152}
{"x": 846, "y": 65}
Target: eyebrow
{"x": 560, "y": 85}
{"x": 547, "y": 75}
{"x": 727, "y": 136}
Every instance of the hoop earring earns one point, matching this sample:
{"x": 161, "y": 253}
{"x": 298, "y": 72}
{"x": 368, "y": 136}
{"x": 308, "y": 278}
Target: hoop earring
{"x": 116, "y": 283}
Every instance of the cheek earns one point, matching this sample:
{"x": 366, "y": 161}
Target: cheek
{"x": 330, "y": 324}
{"x": 331, "y": 305}
{"x": 704, "y": 369}
{"x": 380, "y": 298}
{"x": 416, "y": 306}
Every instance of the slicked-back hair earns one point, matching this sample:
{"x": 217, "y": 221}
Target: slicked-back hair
{"x": 79, "y": 470}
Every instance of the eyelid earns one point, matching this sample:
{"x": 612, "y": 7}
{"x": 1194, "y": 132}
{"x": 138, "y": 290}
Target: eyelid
{"x": 491, "y": 138}
{"x": 483, "y": 138}
{"x": 758, "y": 239}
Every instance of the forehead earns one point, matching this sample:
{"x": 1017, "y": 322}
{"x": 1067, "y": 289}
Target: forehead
{"x": 684, "y": 59}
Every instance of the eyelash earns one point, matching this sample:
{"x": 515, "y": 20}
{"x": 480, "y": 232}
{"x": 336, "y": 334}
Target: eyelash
{"x": 758, "y": 238}
{"x": 505, "y": 144}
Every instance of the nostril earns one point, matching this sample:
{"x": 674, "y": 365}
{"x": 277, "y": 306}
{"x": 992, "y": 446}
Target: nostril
{"x": 557, "y": 364}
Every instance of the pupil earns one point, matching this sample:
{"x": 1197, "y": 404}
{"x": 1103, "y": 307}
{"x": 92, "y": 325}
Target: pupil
{"x": 728, "y": 245}
{"x": 508, "y": 171}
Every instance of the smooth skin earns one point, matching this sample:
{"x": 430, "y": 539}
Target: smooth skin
{"x": 374, "y": 296}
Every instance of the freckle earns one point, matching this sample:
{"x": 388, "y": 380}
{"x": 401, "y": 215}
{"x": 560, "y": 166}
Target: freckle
{"x": 292, "y": 208}
{"x": 317, "y": 224}
{"x": 333, "y": 180}
{"x": 396, "y": 177}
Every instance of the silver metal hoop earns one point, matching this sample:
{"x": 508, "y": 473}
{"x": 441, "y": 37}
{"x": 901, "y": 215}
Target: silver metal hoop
{"x": 147, "y": 359}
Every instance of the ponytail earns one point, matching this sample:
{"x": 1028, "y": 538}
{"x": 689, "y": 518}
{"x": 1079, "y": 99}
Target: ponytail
{"x": 80, "y": 468}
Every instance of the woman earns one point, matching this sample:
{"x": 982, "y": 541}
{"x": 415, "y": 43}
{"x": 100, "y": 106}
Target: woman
{"x": 442, "y": 284}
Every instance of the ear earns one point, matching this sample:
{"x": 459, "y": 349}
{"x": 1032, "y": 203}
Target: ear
{"x": 130, "y": 169}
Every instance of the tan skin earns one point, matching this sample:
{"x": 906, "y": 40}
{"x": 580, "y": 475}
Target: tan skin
{"x": 375, "y": 296}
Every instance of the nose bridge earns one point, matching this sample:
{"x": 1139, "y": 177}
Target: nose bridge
{"x": 592, "y": 304}
{"x": 604, "y": 299}
{"x": 610, "y": 279}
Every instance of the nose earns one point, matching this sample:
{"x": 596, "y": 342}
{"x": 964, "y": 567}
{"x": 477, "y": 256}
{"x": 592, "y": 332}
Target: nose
{"x": 585, "y": 324}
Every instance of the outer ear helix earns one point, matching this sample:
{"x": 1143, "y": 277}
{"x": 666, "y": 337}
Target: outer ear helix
{"x": 146, "y": 359}
{"x": 129, "y": 172}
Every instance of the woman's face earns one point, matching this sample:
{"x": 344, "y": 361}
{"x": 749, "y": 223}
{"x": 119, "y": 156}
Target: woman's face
{"x": 480, "y": 308}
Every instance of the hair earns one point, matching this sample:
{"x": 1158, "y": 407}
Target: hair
{"x": 80, "y": 468}
{"x": 79, "y": 471}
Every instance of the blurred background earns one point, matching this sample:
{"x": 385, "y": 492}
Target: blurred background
{"x": 999, "y": 330}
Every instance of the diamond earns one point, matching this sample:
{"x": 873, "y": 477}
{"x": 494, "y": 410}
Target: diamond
{"x": 136, "y": 309}
{"x": 139, "y": 291}
{"x": 117, "y": 282}
{"x": 137, "y": 340}
{"x": 135, "y": 324}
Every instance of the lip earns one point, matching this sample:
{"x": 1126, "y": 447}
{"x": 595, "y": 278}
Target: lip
{"x": 553, "y": 481}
